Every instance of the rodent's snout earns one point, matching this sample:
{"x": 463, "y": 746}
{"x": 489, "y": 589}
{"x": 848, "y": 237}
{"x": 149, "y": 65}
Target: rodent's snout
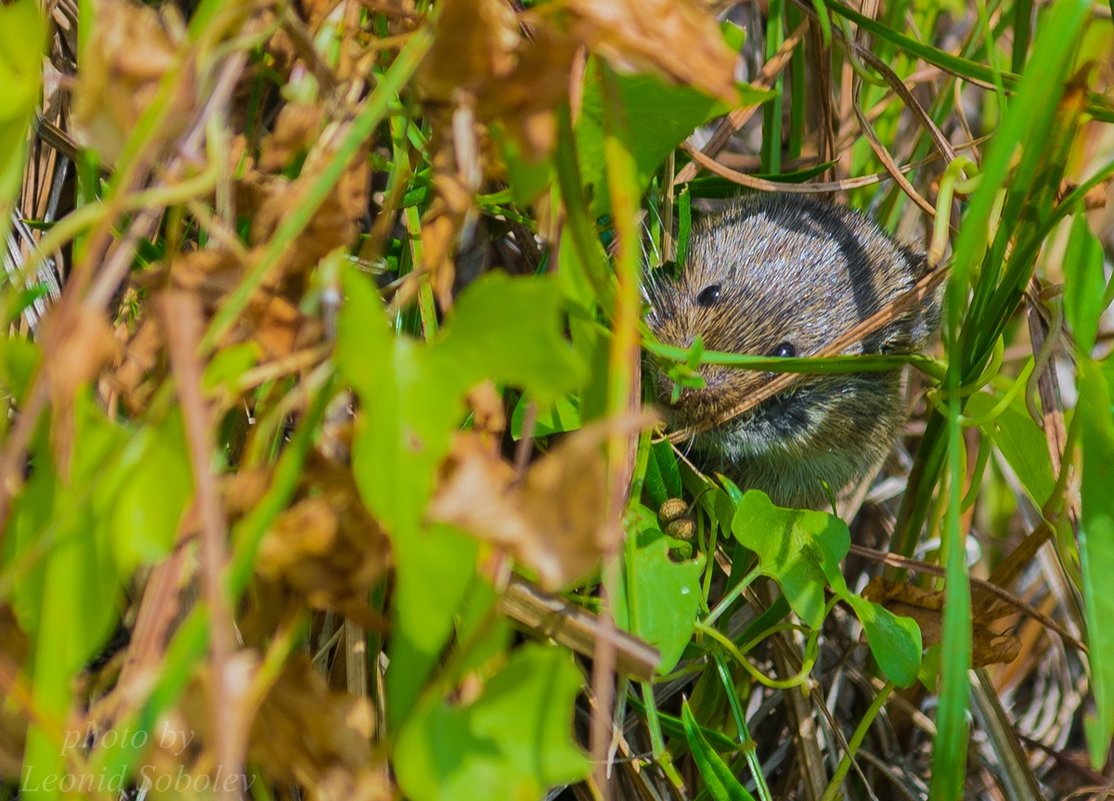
{"x": 721, "y": 388}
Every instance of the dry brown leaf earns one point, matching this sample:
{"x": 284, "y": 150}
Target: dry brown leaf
{"x": 182, "y": 739}
{"x": 296, "y": 128}
{"x": 926, "y": 607}
{"x": 482, "y": 60}
{"x": 212, "y": 273}
{"x": 13, "y": 721}
{"x": 280, "y": 327}
{"x": 335, "y": 224}
{"x": 76, "y": 342}
{"x": 272, "y": 319}
{"x": 552, "y": 522}
{"x": 327, "y": 547}
{"x": 482, "y": 70}
{"x": 476, "y": 43}
{"x": 244, "y": 489}
{"x": 676, "y": 39}
{"x": 306, "y": 733}
{"x": 488, "y": 414}
{"x": 523, "y": 101}
{"x": 292, "y": 726}
{"x": 131, "y": 48}
{"x": 141, "y": 355}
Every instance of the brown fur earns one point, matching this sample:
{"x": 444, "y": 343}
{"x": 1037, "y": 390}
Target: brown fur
{"x": 792, "y": 270}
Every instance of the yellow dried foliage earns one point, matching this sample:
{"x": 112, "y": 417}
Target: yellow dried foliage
{"x": 76, "y": 342}
{"x": 988, "y": 647}
{"x": 131, "y": 49}
{"x": 327, "y": 548}
{"x": 306, "y": 733}
{"x": 678, "y": 40}
{"x": 13, "y": 719}
{"x": 552, "y": 520}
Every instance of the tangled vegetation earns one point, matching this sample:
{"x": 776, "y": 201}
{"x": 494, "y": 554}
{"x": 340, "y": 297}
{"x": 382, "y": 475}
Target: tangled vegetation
{"x": 331, "y": 469}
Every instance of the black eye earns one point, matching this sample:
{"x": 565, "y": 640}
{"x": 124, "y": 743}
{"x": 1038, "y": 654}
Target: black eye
{"x": 784, "y": 351}
{"x": 708, "y": 296}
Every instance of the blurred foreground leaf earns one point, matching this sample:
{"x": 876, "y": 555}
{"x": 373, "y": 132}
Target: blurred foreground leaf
{"x": 510, "y": 743}
{"x": 22, "y": 36}
{"x": 1096, "y": 549}
{"x": 412, "y": 400}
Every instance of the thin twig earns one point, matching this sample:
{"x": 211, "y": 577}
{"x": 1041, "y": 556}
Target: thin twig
{"x": 738, "y": 118}
{"x": 181, "y": 318}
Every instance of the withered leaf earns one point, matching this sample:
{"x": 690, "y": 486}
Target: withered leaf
{"x": 475, "y": 44}
{"x": 295, "y": 130}
{"x": 306, "y": 733}
{"x": 211, "y": 272}
{"x": 675, "y": 39}
{"x": 488, "y": 415}
{"x": 926, "y": 607}
{"x": 77, "y": 342}
{"x": 13, "y": 721}
{"x": 280, "y": 327}
{"x": 334, "y": 225}
{"x": 141, "y": 355}
{"x": 131, "y": 48}
{"x": 482, "y": 59}
{"x": 272, "y": 319}
{"x": 327, "y": 547}
{"x": 553, "y": 520}
{"x": 482, "y": 69}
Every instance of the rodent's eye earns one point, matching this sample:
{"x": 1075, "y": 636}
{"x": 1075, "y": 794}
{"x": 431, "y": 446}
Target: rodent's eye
{"x": 708, "y": 296}
{"x": 785, "y": 350}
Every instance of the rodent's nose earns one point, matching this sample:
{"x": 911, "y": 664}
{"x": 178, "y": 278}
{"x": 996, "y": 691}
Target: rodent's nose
{"x": 690, "y": 397}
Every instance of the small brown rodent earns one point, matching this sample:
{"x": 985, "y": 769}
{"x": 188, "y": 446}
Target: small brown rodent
{"x": 783, "y": 275}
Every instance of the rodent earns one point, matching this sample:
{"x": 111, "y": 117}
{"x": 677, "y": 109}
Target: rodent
{"x": 785, "y": 275}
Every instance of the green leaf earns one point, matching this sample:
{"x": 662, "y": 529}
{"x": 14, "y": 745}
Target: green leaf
{"x": 1096, "y": 549}
{"x": 658, "y": 598}
{"x": 1022, "y": 443}
{"x": 223, "y": 372}
{"x": 576, "y": 277}
{"x": 409, "y": 409}
{"x": 19, "y": 359}
{"x": 22, "y": 36}
{"x": 66, "y": 600}
{"x": 734, "y": 35}
{"x": 929, "y": 672}
{"x": 485, "y": 636}
{"x": 509, "y": 330}
{"x": 411, "y": 401}
{"x": 799, "y": 549}
{"x": 734, "y": 494}
{"x": 663, "y": 476}
{"x": 527, "y": 179}
{"x": 1084, "y": 283}
{"x": 659, "y": 117}
{"x": 513, "y": 742}
{"x": 719, "y": 781}
{"x": 434, "y": 569}
{"x": 895, "y": 641}
{"x": 559, "y": 417}
{"x": 155, "y": 486}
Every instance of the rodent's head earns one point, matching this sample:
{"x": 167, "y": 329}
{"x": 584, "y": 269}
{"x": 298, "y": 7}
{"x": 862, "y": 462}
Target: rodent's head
{"x": 782, "y": 275}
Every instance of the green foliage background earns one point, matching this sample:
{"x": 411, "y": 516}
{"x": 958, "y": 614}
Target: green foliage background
{"x": 1005, "y": 118}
